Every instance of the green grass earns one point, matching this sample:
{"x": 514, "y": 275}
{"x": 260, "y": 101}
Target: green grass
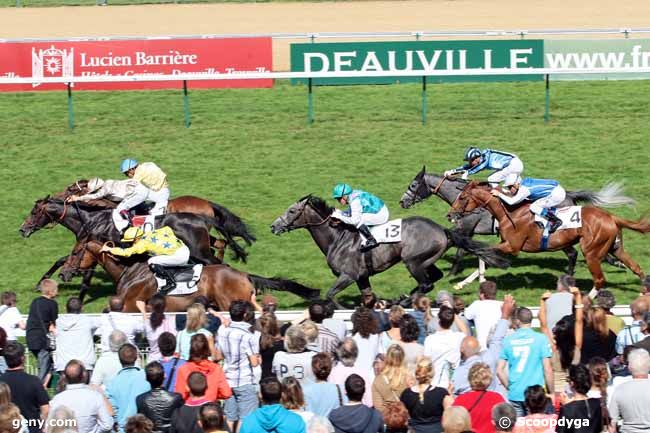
{"x": 252, "y": 151}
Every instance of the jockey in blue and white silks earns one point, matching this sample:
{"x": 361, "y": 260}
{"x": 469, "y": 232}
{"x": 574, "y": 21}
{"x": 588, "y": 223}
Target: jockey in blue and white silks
{"x": 477, "y": 160}
{"x": 544, "y": 194}
{"x": 365, "y": 210}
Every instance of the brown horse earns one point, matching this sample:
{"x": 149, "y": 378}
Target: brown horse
{"x": 598, "y": 236}
{"x": 221, "y": 284}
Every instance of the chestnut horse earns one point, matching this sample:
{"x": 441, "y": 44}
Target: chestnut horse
{"x": 598, "y": 236}
{"x": 221, "y": 284}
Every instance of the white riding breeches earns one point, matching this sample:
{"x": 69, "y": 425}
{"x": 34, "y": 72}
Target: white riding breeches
{"x": 180, "y": 257}
{"x": 515, "y": 167}
{"x": 374, "y": 219}
{"x": 141, "y": 193}
{"x": 557, "y": 196}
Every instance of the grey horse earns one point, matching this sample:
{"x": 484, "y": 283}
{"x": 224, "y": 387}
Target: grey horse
{"x": 481, "y": 222}
{"x": 422, "y": 243}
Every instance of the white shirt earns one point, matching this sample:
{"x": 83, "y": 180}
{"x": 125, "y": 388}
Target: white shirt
{"x": 337, "y": 326}
{"x": 74, "y": 340}
{"x": 115, "y": 190}
{"x": 443, "y": 348}
{"x": 485, "y": 314}
{"x": 9, "y": 321}
{"x": 298, "y": 365}
{"x": 88, "y": 406}
{"x": 106, "y": 368}
{"x": 116, "y": 321}
{"x": 369, "y": 348}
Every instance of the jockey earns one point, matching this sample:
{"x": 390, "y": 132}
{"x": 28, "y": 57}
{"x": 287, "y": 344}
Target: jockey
{"x": 477, "y": 160}
{"x": 544, "y": 194}
{"x": 365, "y": 210}
{"x": 113, "y": 190}
{"x": 162, "y": 245}
{"x": 152, "y": 185}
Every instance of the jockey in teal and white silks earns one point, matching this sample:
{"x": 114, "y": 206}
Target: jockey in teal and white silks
{"x": 365, "y": 210}
{"x": 544, "y": 194}
{"x": 477, "y": 160}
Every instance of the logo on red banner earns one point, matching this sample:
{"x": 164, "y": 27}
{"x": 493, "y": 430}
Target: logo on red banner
{"x": 114, "y": 58}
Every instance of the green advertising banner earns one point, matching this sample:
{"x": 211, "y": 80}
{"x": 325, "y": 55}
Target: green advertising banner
{"x": 417, "y": 56}
{"x": 594, "y": 54}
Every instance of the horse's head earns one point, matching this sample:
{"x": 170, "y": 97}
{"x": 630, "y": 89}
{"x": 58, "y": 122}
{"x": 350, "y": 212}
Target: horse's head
{"x": 306, "y": 212}
{"x": 44, "y": 212}
{"x": 80, "y": 260}
{"x": 474, "y": 196}
{"x": 417, "y": 191}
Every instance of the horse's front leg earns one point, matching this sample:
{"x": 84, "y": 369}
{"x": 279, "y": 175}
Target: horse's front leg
{"x": 341, "y": 283}
{"x": 85, "y": 283}
{"x": 53, "y": 269}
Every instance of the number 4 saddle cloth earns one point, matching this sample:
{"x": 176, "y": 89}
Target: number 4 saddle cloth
{"x": 571, "y": 217}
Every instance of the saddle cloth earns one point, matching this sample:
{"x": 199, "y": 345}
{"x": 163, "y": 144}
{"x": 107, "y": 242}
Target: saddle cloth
{"x": 186, "y": 277}
{"x": 146, "y": 222}
{"x": 386, "y": 233}
{"x": 571, "y": 217}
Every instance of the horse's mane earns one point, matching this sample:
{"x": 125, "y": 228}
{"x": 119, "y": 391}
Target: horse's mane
{"x": 319, "y": 205}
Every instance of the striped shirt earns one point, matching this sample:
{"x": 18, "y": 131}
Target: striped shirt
{"x": 628, "y": 336}
{"x": 327, "y": 339}
{"x": 236, "y": 342}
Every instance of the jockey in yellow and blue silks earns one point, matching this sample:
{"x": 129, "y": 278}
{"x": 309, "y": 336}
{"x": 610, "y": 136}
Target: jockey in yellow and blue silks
{"x": 477, "y": 160}
{"x": 544, "y": 194}
{"x": 162, "y": 245}
{"x": 365, "y": 210}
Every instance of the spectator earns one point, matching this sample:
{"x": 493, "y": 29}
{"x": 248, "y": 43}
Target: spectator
{"x": 459, "y": 309}
{"x": 218, "y": 388}
{"x": 318, "y": 424}
{"x": 328, "y": 340}
{"x": 158, "y": 404}
{"x": 456, "y": 419}
{"x": 355, "y": 417}
{"x": 479, "y": 401}
{"x": 527, "y": 355}
{"x": 393, "y": 380}
{"x": 240, "y": 348}
{"x": 129, "y": 383}
{"x": 410, "y": 333}
{"x": 338, "y": 326}
{"x": 580, "y": 407}
{"x": 211, "y": 419}
{"x": 156, "y": 325}
{"x": 27, "y": 391}
{"x": 62, "y": 420}
{"x": 294, "y": 360}
{"x": 598, "y": 339}
{"x": 293, "y": 398}
{"x": 269, "y": 304}
{"x": 3, "y": 343}
{"x": 632, "y": 334}
{"x": 599, "y": 373}
{"x": 370, "y": 301}
{"x": 322, "y": 397}
{"x": 5, "y": 399}
{"x": 425, "y": 401}
{"x": 41, "y": 321}
{"x": 646, "y": 286}
{"x": 138, "y": 424}
{"x": 271, "y": 342}
{"x": 213, "y": 318}
{"x": 560, "y": 303}
{"x": 485, "y": 312}
{"x": 311, "y": 334}
{"x": 445, "y": 298}
{"x": 537, "y": 420}
{"x": 620, "y": 373}
{"x": 631, "y": 400}
{"x": 10, "y": 419}
{"x": 116, "y": 320}
{"x": 170, "y": 362}
{"x": 272, "y": 417}
{"x": 74, "y": 337}
{"x": 422, "y": 314}
{"x": 184, "y": 418}
{"x": 108, "y": 364}
{"x": 393, "y": 334}
{"x": 92, "y": 411}
{"x": 196, "y": 320}
{"x": 347, "y": 354}
{"x": 645, "y": 330}
{"x": 10, "y": 318}
{"x": 444, "y": 346}
{"x": 606, "y": 300}
{"x": 365, "y": 332}
{"x": 470, "y": 352}
{"x": 504, "y": 417}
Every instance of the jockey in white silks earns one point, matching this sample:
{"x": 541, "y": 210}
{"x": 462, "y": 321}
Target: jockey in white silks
{"x": 365, "y": 210}
{"x": 477, "y": 160}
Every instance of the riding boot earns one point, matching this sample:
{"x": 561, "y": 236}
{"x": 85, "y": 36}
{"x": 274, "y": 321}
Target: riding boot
{"x": 164, "y": 273}
{"x": 371, "y": 242}
{"x": 554, "y": 221}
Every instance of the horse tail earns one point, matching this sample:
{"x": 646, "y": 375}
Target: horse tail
{"x": 234, "y": 225}
{"x": 489, "y": 255}
{"x": 642, "y": 225}
{"x": 284, "y": 285}
{"x": 611, "y": 195}
{"x": 239, "y": 253}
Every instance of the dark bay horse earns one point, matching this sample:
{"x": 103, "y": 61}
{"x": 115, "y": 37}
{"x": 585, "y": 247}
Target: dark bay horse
{"x": 220, "y": 283}
{"x": 423, "y": 243}
{"x": 598, "y": 236}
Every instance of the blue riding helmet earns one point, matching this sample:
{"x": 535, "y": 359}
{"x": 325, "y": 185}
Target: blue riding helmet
{"x": 471, "y": 153}
{"x": 341, "y": 189}
{"x": 128, "y": 164}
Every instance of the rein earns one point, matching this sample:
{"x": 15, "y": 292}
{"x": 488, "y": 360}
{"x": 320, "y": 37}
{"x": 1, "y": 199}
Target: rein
{"x": 437, "y": 188}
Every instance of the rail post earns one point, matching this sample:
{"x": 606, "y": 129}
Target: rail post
{"x": 424, "y": 100}
{"x": 186, "y": 104}
{"x": 547, "y": 110}
{"x": 70, "y": 108}
{"x": 310, "y": 102}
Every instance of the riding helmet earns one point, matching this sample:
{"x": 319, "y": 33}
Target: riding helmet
{"x": 341, "y": 189}
{"x": 128, "y": 164}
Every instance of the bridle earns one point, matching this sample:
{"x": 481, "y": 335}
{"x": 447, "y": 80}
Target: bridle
{"x": 289, "y": 224}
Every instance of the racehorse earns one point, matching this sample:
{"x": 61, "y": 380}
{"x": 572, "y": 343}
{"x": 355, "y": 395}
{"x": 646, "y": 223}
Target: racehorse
{"x": 598, "y": 235}
{"x": 220, "y": 283}
{"x": 481, "y": 222}
{"x": 423, "y": 243}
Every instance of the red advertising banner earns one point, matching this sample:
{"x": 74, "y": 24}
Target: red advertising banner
{"x": 131, "y": 57}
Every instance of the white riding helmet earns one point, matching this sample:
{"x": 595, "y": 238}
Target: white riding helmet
{"x": 94, "y": 184}
{"x": 511, "y": 179}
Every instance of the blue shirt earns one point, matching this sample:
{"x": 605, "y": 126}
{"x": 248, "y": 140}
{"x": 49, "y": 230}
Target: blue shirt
{"x": 524, "y": 351}
{"x": 129, "y": 383}
{"x": 369, "y": 202}
{"x": 323, "y": 397}
{"x": 167, "y": 367}
{"x": 539, "y": 188}
{"x": 490, "y": 160}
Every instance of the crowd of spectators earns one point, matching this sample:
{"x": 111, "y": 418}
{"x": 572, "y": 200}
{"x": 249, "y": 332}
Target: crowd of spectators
{"x": 481, "y": 369}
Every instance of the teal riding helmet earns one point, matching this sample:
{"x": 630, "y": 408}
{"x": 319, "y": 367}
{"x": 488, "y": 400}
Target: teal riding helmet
{"x": 341, "y": 189}
{"x": 128, "y": 164}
